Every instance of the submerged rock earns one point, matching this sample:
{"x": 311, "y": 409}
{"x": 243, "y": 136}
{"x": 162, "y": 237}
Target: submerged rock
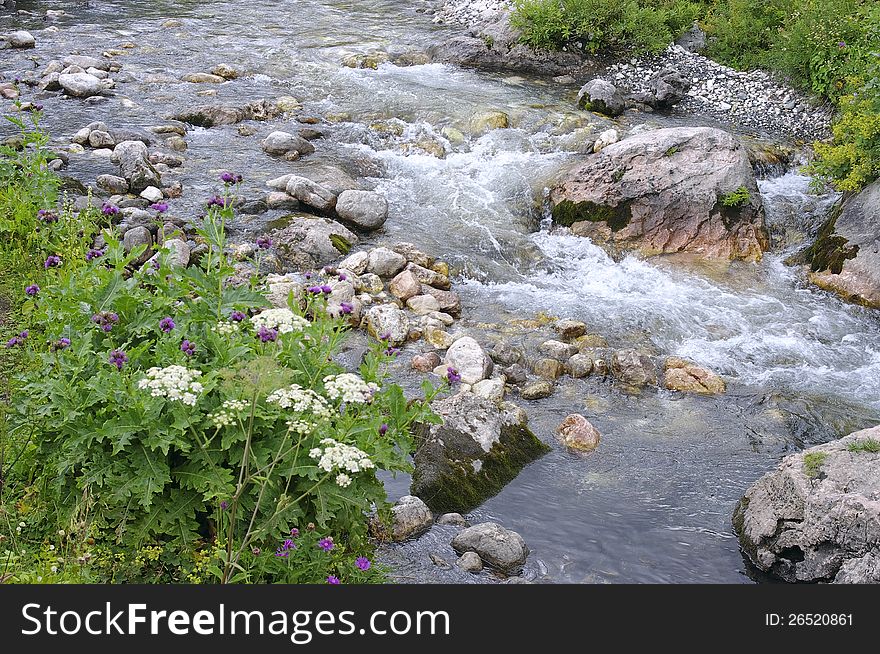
{"x": 845, "y": 258}
{"x": 670, "y": 190}
{"x": 817, "y": 516}
{"x": 479, "y": 447}
{"x": 577, "y": 433}
{"x": 687, "y": 377}
{"x": 500, "y": 548}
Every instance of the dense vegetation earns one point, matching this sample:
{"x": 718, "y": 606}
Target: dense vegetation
{"x": 828, "y": 47}
{"x": 165, "y": 424}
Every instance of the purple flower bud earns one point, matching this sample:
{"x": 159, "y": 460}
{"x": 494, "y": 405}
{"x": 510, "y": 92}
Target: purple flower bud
{"x": 343, "y": 277}
{"x": 392, "y": 351}
{"x": 326, "y": 544}
{"x": 224, "y": 505}
{"x": 294, "y": 532}
{"x": 264, "y": 243}
{"x": 109, "y": 209}
{"x": 385, "y": 336}
{"x": 256, "y": 551}
{"x": 216, "y": 201}
{"x": 307, "y": 275}
{"x": 326, "y": 290}
{"x": 333, "y": 580}
{"x": 94, "y": 254}
{"x": 166, "y": 324}
{"x": 383, "y": 429}
{"x": 161, "y": 207}
{"x": 47, "y": 216}
{"x": 37, "y": 106}
{"x": 345, "y": 308}
{"x": 32, "y": 290}
{"x": 237, "y": 316}
{"x": 227, "y": 178}
{"x": 452, "y": 375}
{"x": 118, "y": 358}
{"x": 188, "y": 348}
{"x": 52, "y": 261}
{"x": 63, "y": 343}
{"x": 107, "y": 327}
{"x": 267, "y": 334}
{"x": 315, "y": 290}
{"x": 362, "y": 563}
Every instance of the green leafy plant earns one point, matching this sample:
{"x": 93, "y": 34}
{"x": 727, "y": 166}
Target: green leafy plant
{"x": 813, "y": 463}
{"x": 738, "y": 198}
{"x": 870, "y": 445}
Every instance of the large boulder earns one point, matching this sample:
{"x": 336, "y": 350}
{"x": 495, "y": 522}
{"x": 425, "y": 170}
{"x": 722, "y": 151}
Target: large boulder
{"x": 602, "y": 97}
{"x": 817, "y": 516}
{"x": 501, "y": 548}
{"x": 133, "y": 160}
{"x": 310, "y": 241}
{"x": 845, "y": 258}
{"x": 478, "y": 448}
{"x": 311, "y": 193}
{"x": 688, "y": 189}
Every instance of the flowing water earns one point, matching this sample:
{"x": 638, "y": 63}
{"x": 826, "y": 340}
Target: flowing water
{"x": 653, "y": 503}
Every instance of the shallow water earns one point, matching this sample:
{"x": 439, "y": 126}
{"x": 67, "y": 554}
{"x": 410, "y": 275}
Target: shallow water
{"x": 653, "y": 503}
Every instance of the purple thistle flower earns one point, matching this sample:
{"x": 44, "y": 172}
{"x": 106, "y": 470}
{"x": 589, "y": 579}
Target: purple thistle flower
{"x": 385, "y": 336}
{"x": 17, "y": 340}
{"x": 841, "y": 44}
{"x": 109, "y": 209}
{"x": 326, "y": 290}
{"x": 113, "y": 317}
{"x": 452, "y": 375}
{"x": 288, "y": 545}
{"x": 224, "y": 505}
{"x": 166, "y": 324}
{"x": 52, "y": 261}
{"x": 94, "y": 254}
{"x": 63, "y": 343}
{"x": 383, "y": 429}
{"x": 161, "y": 207}
{"x": 237, "y": 316}
{"x": 256, "y": 551}
{"x": 343, "y": 277}
{"x": 107, "y": 327}
{"x": 362, "y": 563}
{"x": 227, "y": 178}
{"x": 188, "y": 348}
{"x": 314, "y": 290}
{"x": 105, "y": 320}
{"x": 326, "y": 544}
{"x": 38, "y": 107}
{"x": 216, "y": 201}
{"x": 47, "y": 216}
{"x": 280, "y": 553}
{"x": 155, "y": 265}
{"x": 118, "y": 358}
{"x": 294, "y": 532}
{"x": 345, "y": 308}
{"x": 392, "y": 351}
{"x": 333, "y": 580}
{"x": 32, "y": 290}
{"x": 264, "y": 242}
{"x": 267, "y": 334}
{"x": 307, "y": 275}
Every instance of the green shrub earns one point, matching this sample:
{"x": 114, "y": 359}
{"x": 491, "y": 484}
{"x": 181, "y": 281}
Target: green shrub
{"x": 637, "y": 26}
{"x": 173, "y": 427}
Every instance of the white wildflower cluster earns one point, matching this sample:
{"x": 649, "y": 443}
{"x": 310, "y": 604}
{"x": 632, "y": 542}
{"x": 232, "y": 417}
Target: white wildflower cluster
{"x": 350, "y": 388}
{"x": 303, "y": 427}
{"x": 300, "y": 400}
{"x": 174, "y": 382}
{"x": 226, "y": 327}
{"x": 341, "y": 457}
{"x": 283, "y": 320}
{"x": 228, "y": 413}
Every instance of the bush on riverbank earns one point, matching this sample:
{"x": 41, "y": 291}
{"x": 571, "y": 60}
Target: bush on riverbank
{"x": 170, "y": 426}
{"x": 829, "y": 47}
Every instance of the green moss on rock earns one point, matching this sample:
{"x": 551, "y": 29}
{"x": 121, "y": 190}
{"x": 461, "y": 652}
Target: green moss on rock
{"x": 830, "y": 251}
{"x": 567, "y": 213}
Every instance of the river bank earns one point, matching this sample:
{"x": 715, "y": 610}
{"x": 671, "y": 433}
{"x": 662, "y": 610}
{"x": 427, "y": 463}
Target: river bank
{"x": 653, "y": 502}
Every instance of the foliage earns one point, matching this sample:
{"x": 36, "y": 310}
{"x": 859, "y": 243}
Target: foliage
{"x": 738, "y": 198}
{"x": 616, "y": 25}
{"x": 813, "y": 463}
{"x": 870, "y": 445}
{"x": 169, "y": 424}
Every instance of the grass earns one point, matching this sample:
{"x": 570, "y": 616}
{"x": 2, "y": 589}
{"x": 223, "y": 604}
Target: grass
{"x": 813, "y": 463}
{"x": 738, "y": 198}
{"x": 869, "y": 445}
{"x": 12, "y": 282}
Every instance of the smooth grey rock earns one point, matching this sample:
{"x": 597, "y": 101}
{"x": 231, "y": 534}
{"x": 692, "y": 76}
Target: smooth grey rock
{"x": 80, "y": 85}
{"x": 500, "y": 548}
{"x": 366, "y": 209}
{"x": 311, "y": 193}
{"x": 385, "y": 262}
{"x": 21, "y": 39}
{"x": 112, "y": 184}
{"x": 280, "y": 143}
{"x": 469, "y": 359}
{"x": 470, "y": 562}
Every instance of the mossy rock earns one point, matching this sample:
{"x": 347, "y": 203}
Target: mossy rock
{"x": 567, "y": 213}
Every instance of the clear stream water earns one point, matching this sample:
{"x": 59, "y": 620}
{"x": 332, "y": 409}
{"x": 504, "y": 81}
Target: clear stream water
{"x": 653, "y": 503}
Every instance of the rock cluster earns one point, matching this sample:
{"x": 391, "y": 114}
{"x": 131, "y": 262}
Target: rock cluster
{"x": 752, "y": 99}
